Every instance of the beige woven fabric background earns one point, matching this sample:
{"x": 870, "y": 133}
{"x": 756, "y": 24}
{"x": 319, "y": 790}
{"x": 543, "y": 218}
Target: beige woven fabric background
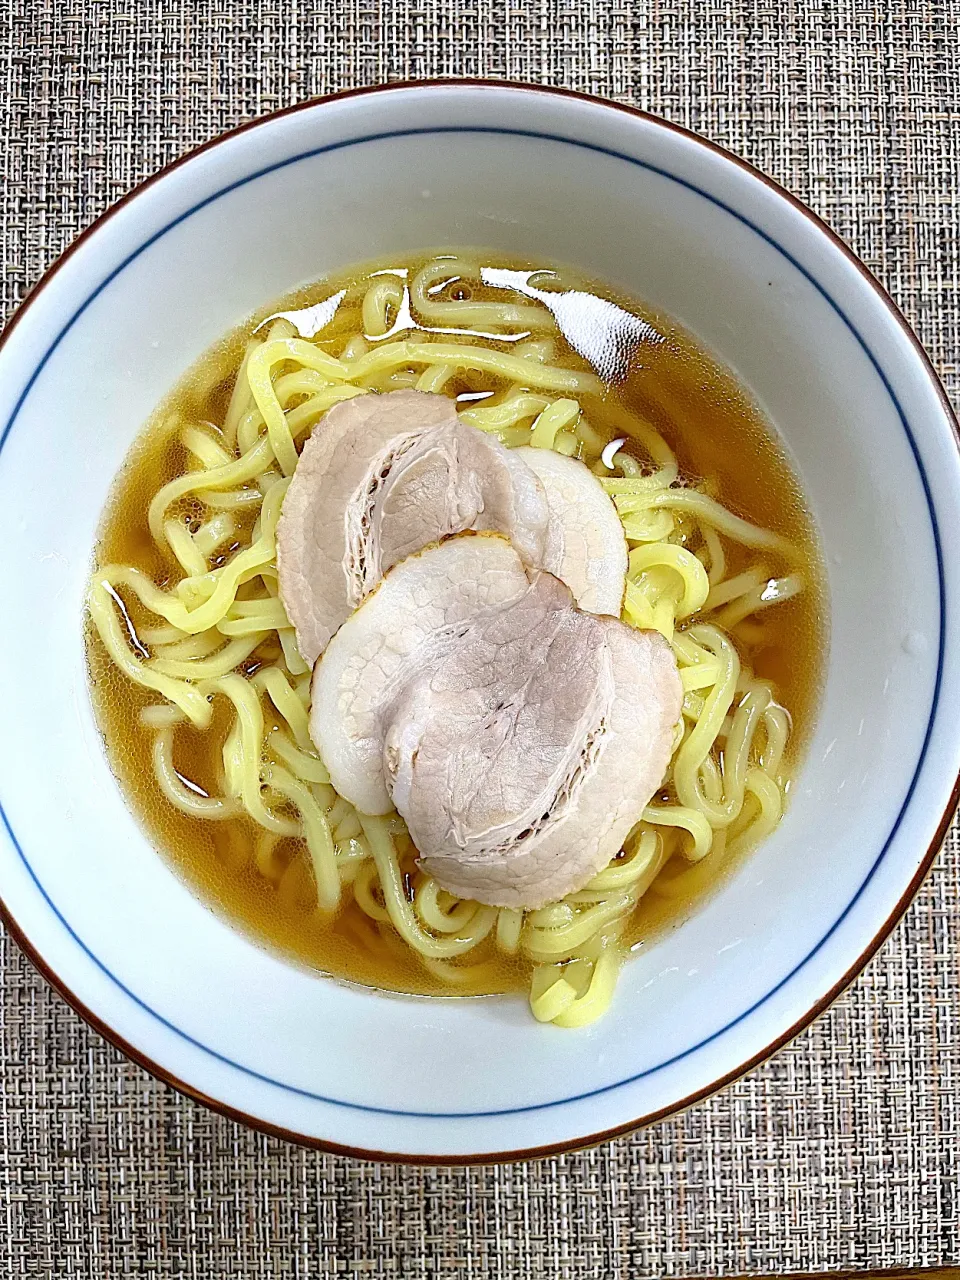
{"x": 842, "y": 1152}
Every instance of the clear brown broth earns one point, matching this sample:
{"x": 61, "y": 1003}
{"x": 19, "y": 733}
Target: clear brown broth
{"x": 717, "y": 432}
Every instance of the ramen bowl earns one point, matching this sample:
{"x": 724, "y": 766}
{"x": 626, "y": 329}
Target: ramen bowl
{"x": 663, "y": 216}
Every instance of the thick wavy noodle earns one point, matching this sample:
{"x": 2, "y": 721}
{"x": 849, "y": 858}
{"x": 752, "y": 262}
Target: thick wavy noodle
{"x": 193, "y": 621}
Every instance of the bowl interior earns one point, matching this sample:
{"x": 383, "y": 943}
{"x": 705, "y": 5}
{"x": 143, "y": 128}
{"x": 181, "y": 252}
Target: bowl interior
{"x": 678, "y": 226}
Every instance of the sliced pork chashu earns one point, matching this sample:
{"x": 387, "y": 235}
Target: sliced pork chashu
{"x": 522, "y": 756}
{"x": 585, "y": 546}
{"x": 422, "y": 606}
{"x": 380, "y": 478}
{"x": 519, "y": 737}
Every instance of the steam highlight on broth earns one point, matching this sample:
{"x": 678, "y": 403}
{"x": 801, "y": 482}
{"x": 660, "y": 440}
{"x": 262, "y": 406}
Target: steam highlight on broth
{"x": 192, "y": 624}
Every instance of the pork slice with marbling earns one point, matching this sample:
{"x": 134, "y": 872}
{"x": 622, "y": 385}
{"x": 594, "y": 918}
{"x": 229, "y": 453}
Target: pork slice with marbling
{"x": 420, "y": 609}
{"x": 585, "y": 545}
{"x": 522, "y": 754}
{"x": 382, "y": 477}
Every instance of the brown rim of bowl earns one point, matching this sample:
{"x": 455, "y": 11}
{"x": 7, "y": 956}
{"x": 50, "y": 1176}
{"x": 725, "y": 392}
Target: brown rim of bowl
{"x": 593, "y": 1139}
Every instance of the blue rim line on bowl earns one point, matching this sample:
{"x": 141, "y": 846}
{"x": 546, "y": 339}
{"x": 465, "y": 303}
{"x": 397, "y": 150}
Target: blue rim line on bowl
{"x": 546, "y": 137}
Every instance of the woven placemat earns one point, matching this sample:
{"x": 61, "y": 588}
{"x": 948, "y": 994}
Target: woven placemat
{"x": 844, "y": 1151}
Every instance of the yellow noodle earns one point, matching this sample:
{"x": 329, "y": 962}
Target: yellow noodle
{"x": 181, "y": 543}
{"x": 224, "y": 581}
{"x": 528, "y": 373}
{"x": 699, "y": 677}
{"x": 693, "y": 879}
{"x": 466, "y": 314}
{"x": 385, "y": 293}
{"x": 722, "y": 804}
{"x": 690, "y": 819}
{"x": 175, "y": 789}
{"x": 730, "y": 588}
{"x": 593, "y": 442}
{"x": 699, "y": 741}
{"x": 715, "y": 554}
{"x": 711, "y": 513}
{"x": 259, "y": 369}
{"x": 348, "y": 829}
{"x": 163, "y": 635}
{"x": 554, "y": 419}
{"x": 648, "y": 526}
{"x": 593, "y": 1002}
{"x": 316, "y": 831}
{"x": 542, "y": 349}
{"x": 711, "y": 779}
{"x": 507, "y": 413}
{"x": 449, "y": 917}
{"x": 544, "y": 944}
{"x": 627, "y": 872}
{"x": 201, "y": 645}
{"x": 208, "y": 452}
{"x": 104, "y": 617}
{"x": 435, "y": 377}
{"x": 213, "y": 533}
{"x": 629, "y": 467}
{"x": 774, "y": 591}
{"x": 219, "y": 664}
{"x": 509, "y": 928}
{"x": 366, "y": 884}
{"x": 550, "y": 994}
{"x": 299, "y": 382}
{"x": 776, "y": 721}
{"x": 637, "y": 609}
{"x": 401, "y": 913}
{"x": 339, "y": 810}
{"x": 351, "y": 854}
{"x": 354, "y": 348}
{"x": 240, "y": 398}
{"x": 277, "y": 686}
{"x": 269, "y": 615}
{"x": 554, "y": 916}
{"x": 241, "y": 471}
{"x": 251, "y": 430}
{"x": 232, "y": 499}
{"x": 633, "y": 481}
{"x": 309, "y": 768}
{"x": 291, "y": 654}
{"x": 692, "y": 575}
{"x": 161, "y": 715}
{"x": 264, "y": 854}
{"x": 250, "y": 732}
{"x": 770, "y": 799}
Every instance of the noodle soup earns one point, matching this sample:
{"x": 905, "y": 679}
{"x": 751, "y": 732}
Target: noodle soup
{"x": 202, "y": 695}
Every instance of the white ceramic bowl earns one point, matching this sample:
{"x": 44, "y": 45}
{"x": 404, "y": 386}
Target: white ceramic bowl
{"x": 660, "y": 214}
